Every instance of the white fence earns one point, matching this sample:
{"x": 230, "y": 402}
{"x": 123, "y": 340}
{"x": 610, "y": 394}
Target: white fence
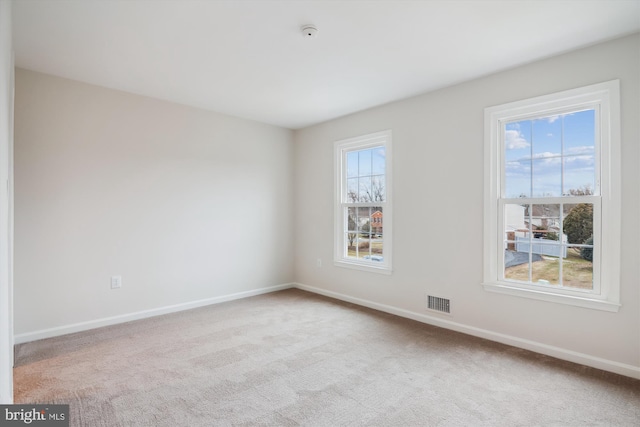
{"x": 551, "y": 249}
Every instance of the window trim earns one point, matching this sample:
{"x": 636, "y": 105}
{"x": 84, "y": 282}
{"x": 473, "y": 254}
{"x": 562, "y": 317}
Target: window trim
{"x": 607, "y": 96}
{"x": 382, "y": 138}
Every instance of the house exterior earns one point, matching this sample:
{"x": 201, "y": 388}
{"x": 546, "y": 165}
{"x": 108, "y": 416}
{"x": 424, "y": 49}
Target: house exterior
{"x": 376, "y": 222}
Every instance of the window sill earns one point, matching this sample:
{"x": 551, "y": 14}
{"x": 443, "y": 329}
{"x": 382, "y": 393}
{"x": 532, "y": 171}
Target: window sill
{"x": 363, "y": 266}
{"x": 592, "y": 303}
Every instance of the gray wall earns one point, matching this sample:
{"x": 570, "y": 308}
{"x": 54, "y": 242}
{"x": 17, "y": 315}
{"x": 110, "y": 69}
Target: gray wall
{"x": 185, "y": 204}
{"x": 6, "y": 204}
{"x": 438, "y": 210}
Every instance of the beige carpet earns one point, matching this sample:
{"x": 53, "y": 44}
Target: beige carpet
{"x": 295, "y": 358}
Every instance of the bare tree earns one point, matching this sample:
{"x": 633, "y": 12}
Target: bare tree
{"x": 375, "y": 193}
{"x": 352, "y": 226}
{"x": 585, "y": 190}
{"x": 367, "y": 194}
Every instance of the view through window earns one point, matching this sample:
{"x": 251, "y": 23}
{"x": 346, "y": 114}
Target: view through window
{"x": 552, "y": 197}
{"x": 363, "y": 209}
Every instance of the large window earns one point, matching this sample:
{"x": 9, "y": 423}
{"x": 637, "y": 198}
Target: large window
{"x": 363, "y": 202}
{"x": 552, "y": 207}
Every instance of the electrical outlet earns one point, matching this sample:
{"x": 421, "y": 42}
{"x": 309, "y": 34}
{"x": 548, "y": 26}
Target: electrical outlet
{"x": 116, "y": 282}
{"x": 319, "y": 262}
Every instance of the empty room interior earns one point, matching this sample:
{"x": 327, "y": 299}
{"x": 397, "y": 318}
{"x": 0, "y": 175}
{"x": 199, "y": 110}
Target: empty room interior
{"x": 321, "y": 213}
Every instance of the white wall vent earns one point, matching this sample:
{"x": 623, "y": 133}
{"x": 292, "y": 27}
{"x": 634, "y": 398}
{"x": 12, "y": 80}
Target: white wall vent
{"x": 438, "y": 304}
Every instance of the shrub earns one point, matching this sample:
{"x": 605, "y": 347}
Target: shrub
{"x": 578, "y": 225}
{"x": 587, "y": 253}
{"x": 552, "y": 236}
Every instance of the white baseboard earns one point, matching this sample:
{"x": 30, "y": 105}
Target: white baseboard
{"x": 107, "y": 321}
{"x": 557, "y": 352}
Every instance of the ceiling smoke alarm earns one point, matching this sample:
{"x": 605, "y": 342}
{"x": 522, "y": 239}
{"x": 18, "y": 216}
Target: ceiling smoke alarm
{"x": 309, "y": 31}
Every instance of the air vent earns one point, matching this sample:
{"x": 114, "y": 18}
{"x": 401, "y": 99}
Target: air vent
{"x": 438, "y": 304}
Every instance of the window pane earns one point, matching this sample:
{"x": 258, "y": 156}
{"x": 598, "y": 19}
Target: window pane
{"x": 517, "y": 266}
{"x": 579, "y": 151}
{"x": 376, "y": 222}
{"x": 363, "y": 220}
{"x": 518, "y": 178}
{"x": 378, "y": 189}
{"x": 545, "y": 221}
{"x": 352, "y": 232}
{"x": 547, "y": 136}
{"x": 577, "y": 268}
{"x": 545, "y": 270}
{"x": 532, "y": 244}
{"x": 517, "y": 146}
{"x": 364, "y": 189}
{"x": 352, "y": 190}
{"x": 579, "y": 175}
{"x": 350, "y": 241}
{"x": 379, "y": 159}
{"x": 376, "y": 236}
{"x": 515, "y": 221}
{"x": 364, "y": 162}
{"x": 364, "y": 232}
{"x": 554, "y": 142}
{"x": 365, "y": 241}
{"x": 516, "y": 235}
{"x": 546, "y": 250}
{"x": 547, "y": 173}
{"x": 577, "y": 223}
{"x": 351, "y": 220}
{"x": 352, "y": 164}
{"x": 376, "y": 249}
{"x": 517, "y": 140}
{"x": 537, "y": 252}
{"x": 579, "y": 132}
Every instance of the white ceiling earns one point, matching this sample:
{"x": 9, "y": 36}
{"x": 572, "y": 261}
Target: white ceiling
{"x": 249, "y": 58}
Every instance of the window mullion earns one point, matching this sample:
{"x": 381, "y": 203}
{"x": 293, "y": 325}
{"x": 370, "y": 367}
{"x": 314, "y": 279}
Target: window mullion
{"x": 530, "y": 235}
{"x": 562, "y": 245}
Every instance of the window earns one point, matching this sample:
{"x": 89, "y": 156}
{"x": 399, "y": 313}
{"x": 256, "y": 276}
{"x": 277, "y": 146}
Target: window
{"x": 363, "y": 202}
{"x": 552, "y": 197}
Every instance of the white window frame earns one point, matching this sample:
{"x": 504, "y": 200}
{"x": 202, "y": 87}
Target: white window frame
{"x": 605, "y": 97}
{"x": 341, "y": 148}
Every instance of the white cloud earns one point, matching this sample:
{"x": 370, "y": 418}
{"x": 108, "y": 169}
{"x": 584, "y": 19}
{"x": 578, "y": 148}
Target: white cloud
{"x": 580, "y": 163}
{"x": 581, "y": 150}
{"x": 519, "y": 166}
{"x": 546, "y": 155}
{"x": 514, "y": 140}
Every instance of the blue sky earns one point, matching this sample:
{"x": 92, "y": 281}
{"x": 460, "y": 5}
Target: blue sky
{"x": 537, "y": 150}
{"x": 365, "y": 167}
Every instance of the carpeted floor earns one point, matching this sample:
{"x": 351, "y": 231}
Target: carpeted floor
{"x": 295, "y": 358}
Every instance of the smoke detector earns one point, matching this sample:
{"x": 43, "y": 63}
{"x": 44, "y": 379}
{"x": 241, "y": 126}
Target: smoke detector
{"x": 309, "y": 32}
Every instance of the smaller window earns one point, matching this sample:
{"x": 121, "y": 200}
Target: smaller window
{"x": 363, "y": 202}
